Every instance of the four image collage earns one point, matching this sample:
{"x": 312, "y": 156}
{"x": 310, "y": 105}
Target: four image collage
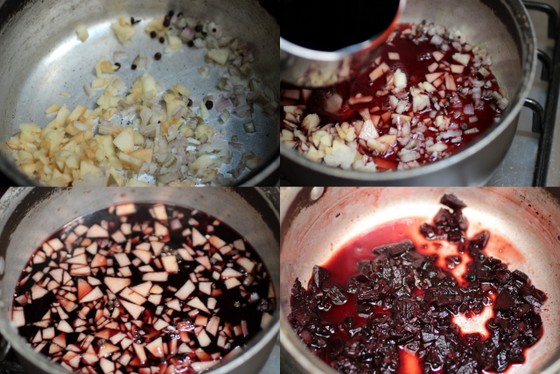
{"x": 280, "y": 186}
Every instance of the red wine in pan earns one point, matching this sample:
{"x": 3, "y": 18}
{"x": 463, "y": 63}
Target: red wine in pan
{"x": 329, "y": 25}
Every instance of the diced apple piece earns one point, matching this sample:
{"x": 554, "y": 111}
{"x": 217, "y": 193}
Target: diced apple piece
{"x": 433, "y": 76}
{"x": 97, "y": 231}
{"x": 56, "y": 244}
{"x": 170, "y": 264}
{"x": 107, "y": 349}
{"x": 80, "y": 259}
{"x": 38, "y": 292}
{"x": 123, "y": 29}
{"x": 56, "y": 274}
{"x": 125, "y": 140}
{"x": 125, "y": 209}
{"x": 201, "y": 320}
{"x": 54, "y": 349}
{"x": 95, "y": 294}
{"x": 156, "y": 289}
{"x": 145, "y": 256}
{"x": 92, "y": 248}
{"x": 212, "y": 303}
{"x": 203, "y": 339}
{"x": 246, "y": 264}
{"x": 222, "y": 340}
{"x": 143, "y": 269}
{"x": 48, "y": 333}
{"x": 157, "y": 247}
{"x": 198, "y": 304}
{"x": 239, "y": 244}
{"x": 219, "y": 55}
{"x": 184, "y": 254}
{"x": 174, "y": 304}
{"x": 213, "y": 325}
{"x": 80, "y": 270}
{"x": 155, "y": 277}
{"x": 107, "y": 366}
{"x": 378, "y": 72}
{"x": 205, "y": 287}
{"x": 156, "y": 348}
{"x": 130, "y": 162}
{"x": 160, "y": 213}
{"x": 143, "y": 288}
{"x": 133, "y": 309}
{"x": 126, "y": 228}
{"x": 461, "y": 58}
{"x": 122, "y": 259}
{"x": 204, "y": 261}
{"x": 226, "y": 249}
{"x": 72, "y": 359}
{"x": 115, "y": 339}
{"x": 126, "y": 342}
{"x": 140, "y": 353}
{"x": 116, "y": 284}
{"x": 160, "y": 325}
{"x": 118, "y": 237}
{"x": 216, "y": 242}
{"x": 84, "y": 288}
{"x": 450, "y": 83}
{"x": 457, "y": 69}
{"x": 98, "y": 261}
{"x": 232, "y": 283}
{"x": 197, "y": 238}
{"x": 186, "y": 290}
{"x": 18, "y": 316}
{"x": 90, "y": 358}
{"x": 155, "y": 299}
{"x": 65, "y": 326}
{"x": 160, "y": 230}
{"x": 438, "y": 56}
{"x": 132, "y": 296}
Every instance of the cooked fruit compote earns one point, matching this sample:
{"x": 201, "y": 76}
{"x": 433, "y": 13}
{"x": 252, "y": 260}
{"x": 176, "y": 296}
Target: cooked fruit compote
{"x": 426, "y": 298}
{"x": 427, "y": 96}
{"x": 144, "y": 288}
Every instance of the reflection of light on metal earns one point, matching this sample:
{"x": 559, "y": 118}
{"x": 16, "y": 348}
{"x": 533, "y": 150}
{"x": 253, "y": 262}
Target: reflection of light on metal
{"x": 69, "y": 46}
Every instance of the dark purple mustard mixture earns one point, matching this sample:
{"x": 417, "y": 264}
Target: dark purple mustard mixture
{"x": 140, "y": 287}
{"x": 395, "y": 309}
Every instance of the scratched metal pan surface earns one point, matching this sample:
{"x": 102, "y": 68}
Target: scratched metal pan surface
{"x": 42, "y": 57}
{"x": 528, "y": 217}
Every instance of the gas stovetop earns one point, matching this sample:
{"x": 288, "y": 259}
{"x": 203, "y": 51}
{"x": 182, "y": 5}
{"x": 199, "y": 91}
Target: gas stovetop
{"x": 534, "y": 158}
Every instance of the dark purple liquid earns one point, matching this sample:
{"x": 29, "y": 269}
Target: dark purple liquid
{"x": 246, "y": 302}
{"x": 329, "y": 25}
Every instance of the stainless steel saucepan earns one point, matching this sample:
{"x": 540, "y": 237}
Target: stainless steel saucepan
{"x": 504, "y": 28}
{"x": 28, "y": 216}
{"x": 315, "y": 224}
{"x": 42, "y": 58}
